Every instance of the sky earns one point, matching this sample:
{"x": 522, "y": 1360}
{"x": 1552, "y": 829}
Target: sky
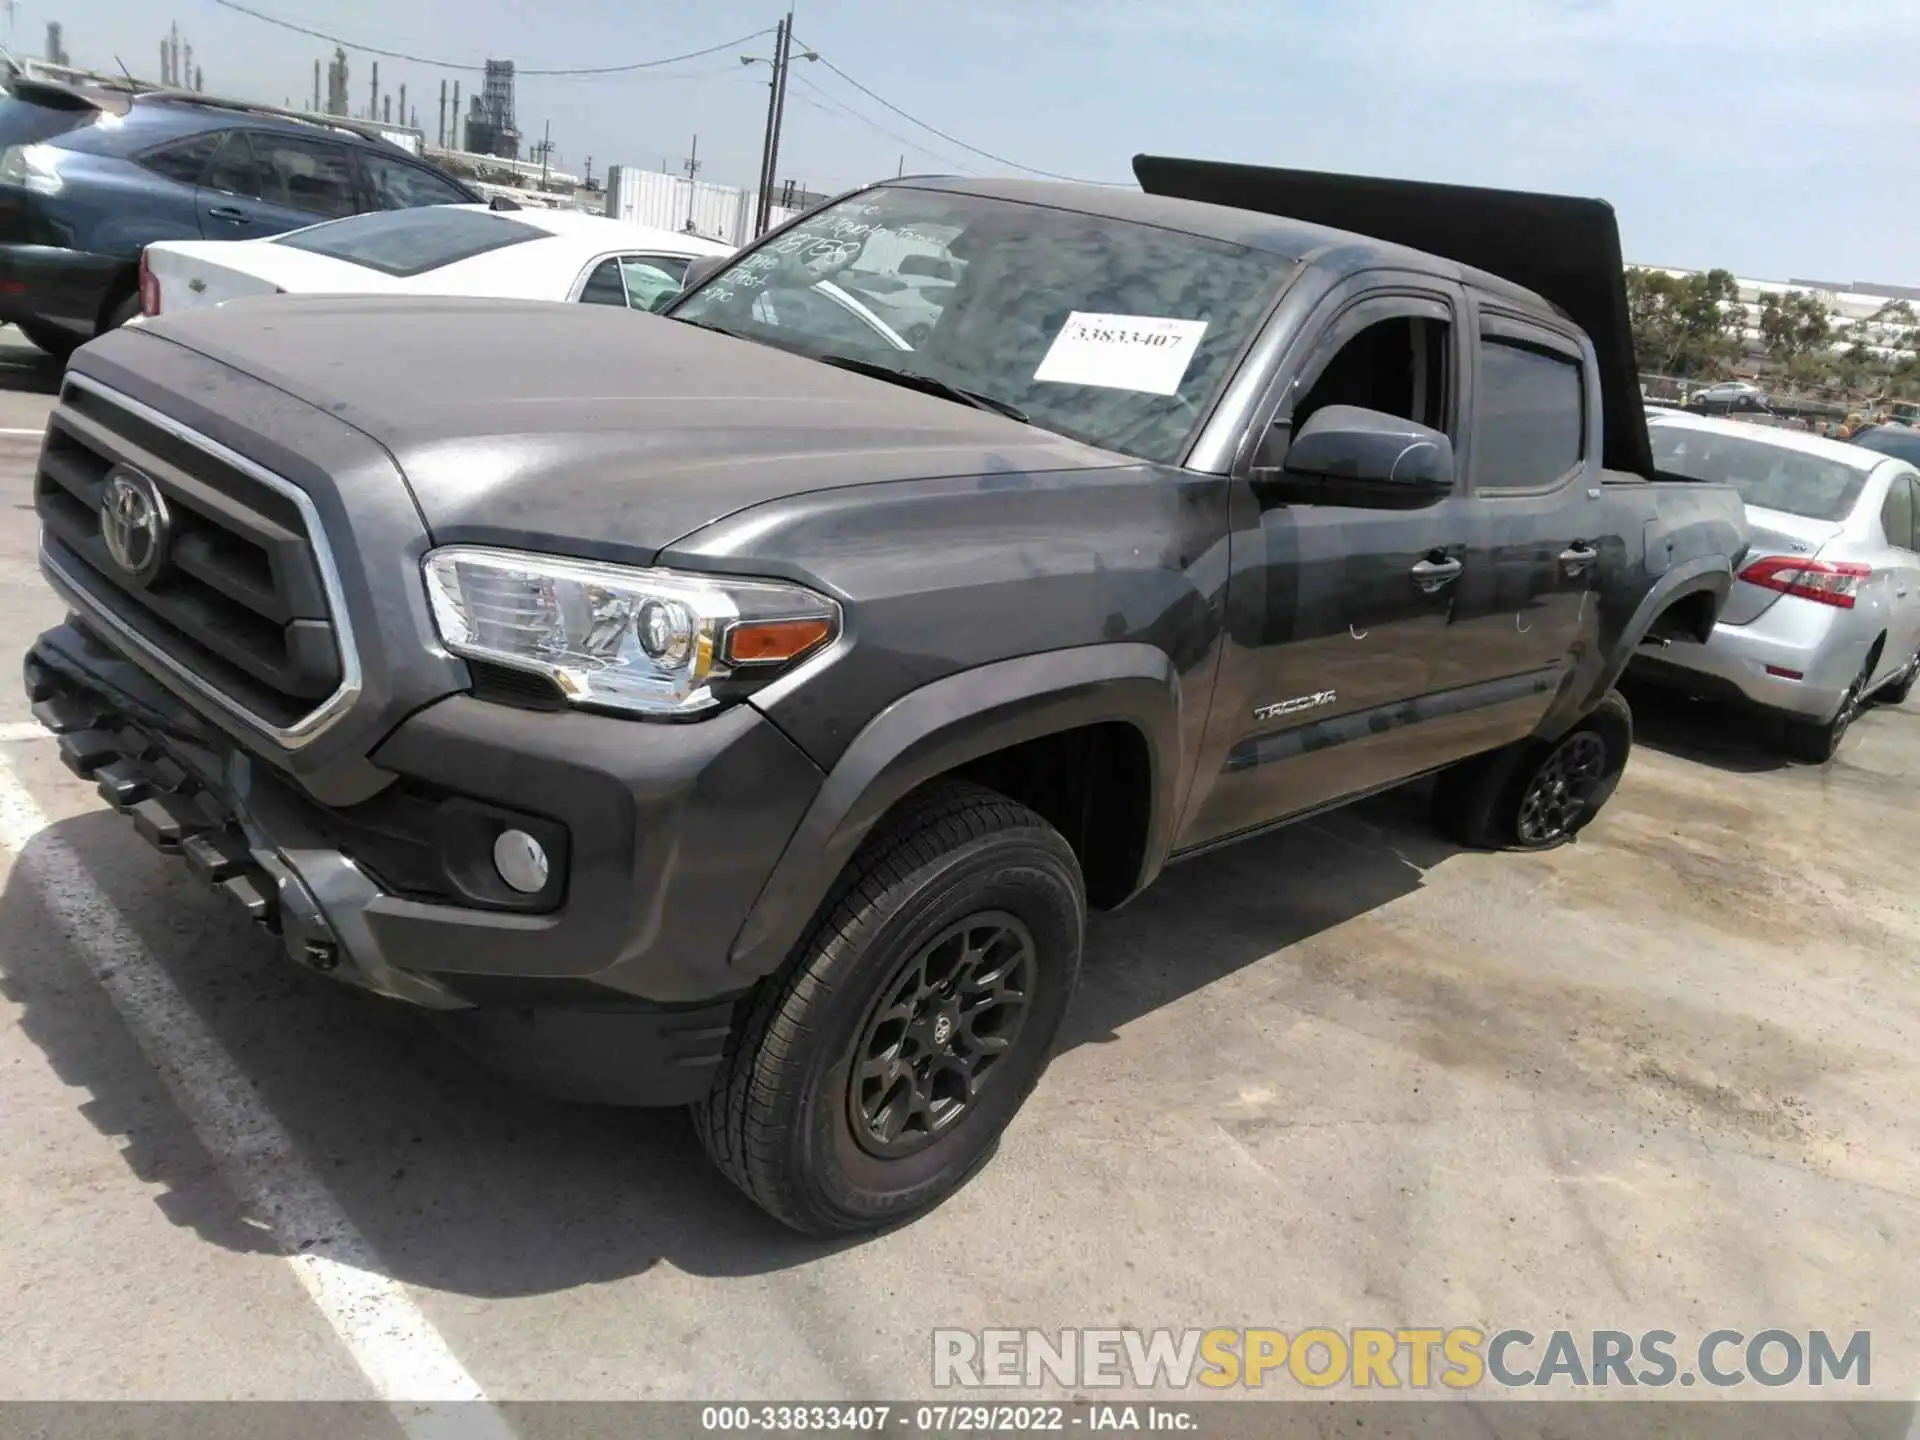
{"x": 1776, "y": 138}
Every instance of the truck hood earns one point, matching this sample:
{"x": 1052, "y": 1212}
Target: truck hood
{"x": 595, "y": 431}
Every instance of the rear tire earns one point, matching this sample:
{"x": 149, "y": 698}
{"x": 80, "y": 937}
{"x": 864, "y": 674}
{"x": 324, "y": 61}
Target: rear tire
{"x": 1537, "y": 794}
{"x": 841, "y": 1105}
{"x": 51, "y": 338}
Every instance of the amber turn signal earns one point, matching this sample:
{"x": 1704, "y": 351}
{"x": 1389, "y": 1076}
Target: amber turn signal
{"x": 758, "y": 642}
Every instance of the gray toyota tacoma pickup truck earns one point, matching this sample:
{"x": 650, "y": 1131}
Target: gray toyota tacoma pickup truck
{"x": 742, "y": 707}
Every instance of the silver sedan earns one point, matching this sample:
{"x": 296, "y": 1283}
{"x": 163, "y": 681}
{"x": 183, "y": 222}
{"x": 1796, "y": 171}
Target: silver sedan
{"x": 1825, "y": 613}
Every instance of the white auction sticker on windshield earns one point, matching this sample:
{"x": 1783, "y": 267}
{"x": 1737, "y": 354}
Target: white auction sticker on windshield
{"x": 1122, "y": 352}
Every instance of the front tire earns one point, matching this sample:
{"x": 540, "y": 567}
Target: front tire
{"x": 1537, "y": 794}
{"x": 869, "y": 1079}
{"x": 1896, "y": 690}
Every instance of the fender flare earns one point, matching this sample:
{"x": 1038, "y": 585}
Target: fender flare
{"x": 946, "y": 724}
{"x": 1704, "y": 573}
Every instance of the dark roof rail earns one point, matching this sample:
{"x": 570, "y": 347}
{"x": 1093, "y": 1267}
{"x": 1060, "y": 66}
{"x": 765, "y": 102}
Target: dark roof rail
{"x": 365, "y": 129}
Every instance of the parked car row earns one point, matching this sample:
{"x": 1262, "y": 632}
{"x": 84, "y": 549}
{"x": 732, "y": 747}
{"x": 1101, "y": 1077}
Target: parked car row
{"x": 90, "y": 177}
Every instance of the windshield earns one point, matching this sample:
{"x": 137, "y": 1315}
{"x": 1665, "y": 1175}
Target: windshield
{"x": 1774, "y": 477}
{"x": 411, "y": 242}
{"x": 1895, "y": 440}
{"x": 1111, "y": 332}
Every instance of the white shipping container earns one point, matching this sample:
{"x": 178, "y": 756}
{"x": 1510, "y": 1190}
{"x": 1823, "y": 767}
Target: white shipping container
{"x": 670, "y": 202}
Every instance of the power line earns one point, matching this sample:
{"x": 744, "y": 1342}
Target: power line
{"x": 935, "y": 130}
{"x": 460, "y": 65}
{"x": 867, "y": 120}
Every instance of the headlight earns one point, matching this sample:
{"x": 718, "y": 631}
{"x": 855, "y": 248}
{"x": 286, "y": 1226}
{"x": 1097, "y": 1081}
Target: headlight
{"x": 36, "y": 167}
{"x": 647, "y": 641}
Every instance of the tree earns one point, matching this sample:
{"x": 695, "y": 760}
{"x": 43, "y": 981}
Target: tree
{"x": 1685, "y": 325}
{"x": 1793, "y": 325}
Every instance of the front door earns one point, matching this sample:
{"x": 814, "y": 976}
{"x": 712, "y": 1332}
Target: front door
{"x": 1337, "y": 615}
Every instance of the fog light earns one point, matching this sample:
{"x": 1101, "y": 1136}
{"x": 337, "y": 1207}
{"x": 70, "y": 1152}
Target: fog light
{"x": 521, "y": 861}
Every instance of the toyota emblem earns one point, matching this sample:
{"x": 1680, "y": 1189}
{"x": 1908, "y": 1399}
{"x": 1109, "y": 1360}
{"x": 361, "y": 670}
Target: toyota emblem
{"x": 134, "y": 523}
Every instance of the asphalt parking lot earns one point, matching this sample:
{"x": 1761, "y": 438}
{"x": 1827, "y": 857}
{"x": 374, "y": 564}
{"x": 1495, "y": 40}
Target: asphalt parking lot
{"x": 1346, "y": 1076}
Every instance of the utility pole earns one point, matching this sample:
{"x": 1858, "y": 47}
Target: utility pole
{"x": 546, "y": 152}
{"x": 779, "y": 114}
{"x": 903, "y": 166}
{"x": 766, "y": 137}
{"x": 373, "y": 98}
{"x": 443, "y": 115}
{"x": 693, "y": 168}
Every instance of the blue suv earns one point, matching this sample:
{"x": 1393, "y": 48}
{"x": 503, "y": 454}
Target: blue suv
{"x": 88, "y": 178}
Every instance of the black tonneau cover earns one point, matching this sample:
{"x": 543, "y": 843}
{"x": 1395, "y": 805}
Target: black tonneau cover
{"x": 1565, "y": 249}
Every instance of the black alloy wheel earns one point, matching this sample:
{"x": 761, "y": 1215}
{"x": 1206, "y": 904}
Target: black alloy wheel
{"x": 944, "y": 1022}
{"x": 1562, "y": 788}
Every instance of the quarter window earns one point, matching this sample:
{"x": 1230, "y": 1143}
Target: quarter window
{"x": 1896, "y": 516}
{"x": 603, "y": 286}
{"x": 184, "y": 162}
{"x": 1530, "y": 416}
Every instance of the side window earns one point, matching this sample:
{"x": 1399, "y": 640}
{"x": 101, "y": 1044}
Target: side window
{"x": 185, "y": 161}
{"x": 307, "y": 175}
{"x": 1529, "y": 416}
{"x": 652, "y": 280}
{"x": 1396, "y": 365}
{"x": 603, "y": 286}
{"x": 1896, "y": 515}
{"x": 237, "y": 169}
{"x": 396, "y": 185}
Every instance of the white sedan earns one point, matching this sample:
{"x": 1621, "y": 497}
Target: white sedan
{"x": 431, "y": 250}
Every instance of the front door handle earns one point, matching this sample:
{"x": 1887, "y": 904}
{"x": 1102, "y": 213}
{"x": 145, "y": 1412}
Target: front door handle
{"x": 1431, "y": 574}
{"x": 227, "y": 212}
{"x": 1578, "y": 556}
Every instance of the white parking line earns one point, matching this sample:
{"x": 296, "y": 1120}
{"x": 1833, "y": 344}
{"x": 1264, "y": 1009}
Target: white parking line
{"x": 12, "y": 730}
{"x": 394, "y": 1344}
{"x": 15, "y": 430}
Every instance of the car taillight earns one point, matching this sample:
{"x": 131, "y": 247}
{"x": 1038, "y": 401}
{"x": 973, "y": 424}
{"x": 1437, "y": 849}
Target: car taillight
{"x": 149, "y": 288}
{"x": 1831, "y": 582}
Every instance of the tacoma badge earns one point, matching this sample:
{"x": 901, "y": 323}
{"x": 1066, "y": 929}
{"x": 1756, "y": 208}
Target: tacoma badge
{"x": 1293, "y": 706}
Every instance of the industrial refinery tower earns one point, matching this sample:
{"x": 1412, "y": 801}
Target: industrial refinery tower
{"x": 490, "y": 126}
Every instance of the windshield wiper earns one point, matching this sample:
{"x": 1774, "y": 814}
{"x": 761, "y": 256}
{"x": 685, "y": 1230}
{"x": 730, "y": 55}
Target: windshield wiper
{"x": 927, "y": 385}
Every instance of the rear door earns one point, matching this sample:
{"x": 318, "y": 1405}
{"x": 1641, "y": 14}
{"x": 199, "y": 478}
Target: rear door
{"x": 262, "y": 183}
{"x": 1899, "y": 518}
{"x": 1533, "y": 467}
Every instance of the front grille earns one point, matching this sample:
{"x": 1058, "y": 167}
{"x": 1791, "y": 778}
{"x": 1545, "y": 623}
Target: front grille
{"x": 238, "y": 600}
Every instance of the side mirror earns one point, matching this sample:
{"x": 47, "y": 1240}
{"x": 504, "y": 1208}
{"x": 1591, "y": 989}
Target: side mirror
{"x": 703, "y": 268}
{"x": 1347, "y": 455}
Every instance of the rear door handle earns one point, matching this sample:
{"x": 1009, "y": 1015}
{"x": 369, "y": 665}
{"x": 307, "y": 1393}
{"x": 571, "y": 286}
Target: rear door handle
{"x": 1578, "y": 556}
{"x": 1430, "y": 575}
{"x": 226, "y": 212}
